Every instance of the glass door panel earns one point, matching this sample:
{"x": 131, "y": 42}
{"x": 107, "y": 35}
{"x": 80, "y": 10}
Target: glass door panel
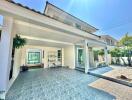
{"x": 80, "y": 57}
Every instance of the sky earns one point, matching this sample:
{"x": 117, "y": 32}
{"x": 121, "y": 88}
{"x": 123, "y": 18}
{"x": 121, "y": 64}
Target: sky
{"x": 112, "y": 17}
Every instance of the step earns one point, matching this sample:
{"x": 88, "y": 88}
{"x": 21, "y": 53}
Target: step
{"x": 80, "y": 69}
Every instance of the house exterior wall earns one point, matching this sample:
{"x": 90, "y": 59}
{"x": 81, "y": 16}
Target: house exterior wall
{"x": 5, "y": 52}
{"x": 69, "y": 57}
{"x": 41, "y": 48}
{"x": 66, "y": 18}
{"x": 22, "y": 14}
{"x": 102, "y": 58}
{"x": 29, "y": 16}
{"x": 16, "y": 67}
{"x": 109, "y": 40}
{"x": 17, "y": 63}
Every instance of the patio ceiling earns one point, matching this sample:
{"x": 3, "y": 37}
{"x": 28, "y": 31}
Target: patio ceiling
{"x": 42, "y": 36}
{"x": 46, "y": 44}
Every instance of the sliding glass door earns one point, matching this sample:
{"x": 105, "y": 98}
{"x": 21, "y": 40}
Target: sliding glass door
{"x": 80, "y": 58}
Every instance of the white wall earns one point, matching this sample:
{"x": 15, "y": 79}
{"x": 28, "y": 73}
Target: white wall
{"x": 102, "y": 59}
{"x": 16, "y": 67}
{"x": 17, "y": 62}
{"x": 69, "y": 56}
{"x": 46, "y": 50}
{"x": 122, "y": 63}
{"x": 5, "y": 52}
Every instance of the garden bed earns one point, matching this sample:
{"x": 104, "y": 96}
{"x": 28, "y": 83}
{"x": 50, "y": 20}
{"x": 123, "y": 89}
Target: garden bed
{"x": 115, "y": 75}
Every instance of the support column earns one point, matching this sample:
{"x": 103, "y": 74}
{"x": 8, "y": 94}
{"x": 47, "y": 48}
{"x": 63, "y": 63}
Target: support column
{"x": 62, "y": 56}
{"x": 69, "y": 56}
{"x": 5, "y": 52}
{"x": 106, "y": 55}
{"x": 91, "y": 55}
{"x": 86, "y": 56}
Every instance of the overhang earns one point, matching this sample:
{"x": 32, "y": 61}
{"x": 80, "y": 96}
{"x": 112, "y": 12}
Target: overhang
{"x": 26, "y": 15}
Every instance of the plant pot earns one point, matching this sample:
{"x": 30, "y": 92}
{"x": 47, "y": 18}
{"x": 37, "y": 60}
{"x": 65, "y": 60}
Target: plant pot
{"x": 24, "y": 68}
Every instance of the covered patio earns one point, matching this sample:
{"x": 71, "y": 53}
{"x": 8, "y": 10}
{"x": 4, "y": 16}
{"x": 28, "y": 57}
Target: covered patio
{"x": 55, "y": 84}
{"x": 41, "y": 32}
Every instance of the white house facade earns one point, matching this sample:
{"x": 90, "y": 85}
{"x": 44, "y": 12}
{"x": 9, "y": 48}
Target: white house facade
{"x": 55, "y": 37}
{"x": 111, "y": 42}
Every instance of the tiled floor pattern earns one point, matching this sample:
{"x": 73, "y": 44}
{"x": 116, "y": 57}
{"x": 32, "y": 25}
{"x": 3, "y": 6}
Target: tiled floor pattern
{"x": 55, "y": 84}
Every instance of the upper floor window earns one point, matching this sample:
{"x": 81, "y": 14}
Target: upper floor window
{"x": 78, "y": 26}
{"x": 67, "y": 22}
{"x": 108, "y": 41}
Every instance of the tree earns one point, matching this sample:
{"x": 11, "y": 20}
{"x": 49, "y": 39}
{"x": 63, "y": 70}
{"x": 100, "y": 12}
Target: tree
{"x": 126, "y": 43}
{"x": 18, "y": 42}
{"x": 116, "y": 53}
{"x": 101, "y": 52}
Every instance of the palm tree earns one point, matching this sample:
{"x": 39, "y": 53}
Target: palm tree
{"x": 18, "y": 42}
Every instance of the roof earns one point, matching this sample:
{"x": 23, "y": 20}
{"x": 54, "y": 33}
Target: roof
{"x": 26, "y": 7}
{"x": 108, "y": 36}
{"x": 68, "y": 14}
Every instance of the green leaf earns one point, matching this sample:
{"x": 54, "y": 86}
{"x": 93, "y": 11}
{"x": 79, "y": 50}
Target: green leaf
{"x": 18, "y": 42}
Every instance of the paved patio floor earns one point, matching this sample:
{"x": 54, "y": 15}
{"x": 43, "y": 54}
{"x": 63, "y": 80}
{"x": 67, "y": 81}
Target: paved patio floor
{"x": 55, "y": 84}
{"x": 121, "y": 92}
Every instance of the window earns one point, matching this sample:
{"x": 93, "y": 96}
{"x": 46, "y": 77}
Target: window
{"x": 78, "y": 26}
{"x": 108, "y": 41}
{"x": 59, "y": 55}
{"x": 33, "y": 57}
{"x": 68, "y": 22}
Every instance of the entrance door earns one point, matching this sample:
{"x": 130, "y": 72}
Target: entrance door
{"x": 80, "y": 57}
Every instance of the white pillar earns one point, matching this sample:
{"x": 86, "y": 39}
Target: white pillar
{"x": 5, "y": 52}
{"x": 91, "y": 55}
{"x": 69, "y": 56}
{"x": 62, "y": 57}
{"x": 86, "y": 56}
{"x": 106, "y": 55}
